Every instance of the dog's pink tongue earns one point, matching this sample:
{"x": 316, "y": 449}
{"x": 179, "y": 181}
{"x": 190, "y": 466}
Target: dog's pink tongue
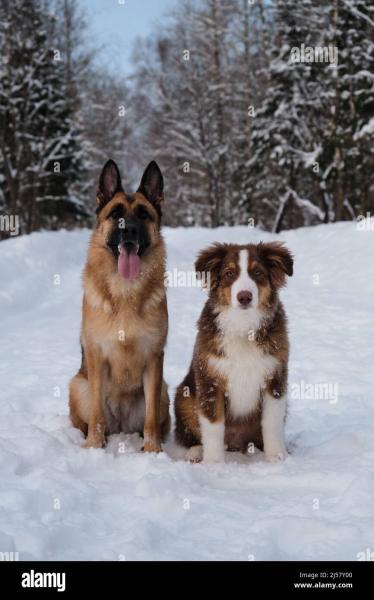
{"x": 128, "y": 264}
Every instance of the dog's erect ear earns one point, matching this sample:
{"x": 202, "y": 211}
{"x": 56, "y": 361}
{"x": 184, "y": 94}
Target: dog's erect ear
{"x": 208, "y": 264}
{"x": 278, "y": 260}
{"x": 152, "y": 184}
{"x": 109, "y": 183}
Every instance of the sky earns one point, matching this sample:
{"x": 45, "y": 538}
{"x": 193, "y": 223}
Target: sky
{"x": 115, "y": 24}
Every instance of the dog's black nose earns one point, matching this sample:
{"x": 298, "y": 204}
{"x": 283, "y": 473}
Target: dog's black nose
{"x": 244, "y": 298}
{"x": 130, "y": 232}
{"x": 131, "y": 229}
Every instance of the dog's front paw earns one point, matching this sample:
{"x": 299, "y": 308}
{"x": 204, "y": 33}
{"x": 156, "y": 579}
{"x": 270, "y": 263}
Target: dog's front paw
{"x": 151, "y": 447}
{"x": 94, "y": 441}
{"x": 194, "y": 454}
{"x": 276, "y": 456}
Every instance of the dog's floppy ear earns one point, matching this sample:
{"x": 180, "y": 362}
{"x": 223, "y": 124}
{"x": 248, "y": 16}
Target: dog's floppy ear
{"x": 208, "y": 264}
{"x": 109, "y": 184}
{"x": 278, "y": 260}
{"x": 152, "y": 185}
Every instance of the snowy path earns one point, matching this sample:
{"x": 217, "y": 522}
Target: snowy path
{"x": 58, "y": 501}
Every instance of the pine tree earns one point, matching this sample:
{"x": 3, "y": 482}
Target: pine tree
{"x": 348, "y": 102}
{"x": 40, "y": 156}
{"x": 282, "y": 140}
{"x": 249, "y": 43}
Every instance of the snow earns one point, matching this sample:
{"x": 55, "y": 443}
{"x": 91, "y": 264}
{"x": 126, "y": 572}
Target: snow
{"x": 60, "y": 501}
{"x": 367, "y": 129}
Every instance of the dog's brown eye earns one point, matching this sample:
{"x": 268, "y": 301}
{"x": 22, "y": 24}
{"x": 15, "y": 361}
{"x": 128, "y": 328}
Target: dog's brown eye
{"x": 143, "y": 213}
{"x": 258, "y": 273}
{"x": 116, "y": 212}
{"x": 229, "y": 274}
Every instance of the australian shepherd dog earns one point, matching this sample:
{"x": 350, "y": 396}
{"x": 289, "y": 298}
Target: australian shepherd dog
{"x": 234, "y": 393}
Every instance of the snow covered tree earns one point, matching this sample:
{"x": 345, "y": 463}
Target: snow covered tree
{"x": 250, "y": 37}
{"x": 313, "y": 136}
{"x": 40, "y": 153}
{"x": 347, "y": 156}
{"x": 283, "y": 142}
{"x": 184, "y": 74}
{"x": 69, "y": 33}
{"x": 102, "y": 117}
{"x": 197, "y": 82}
{"x": 107, "y": 125}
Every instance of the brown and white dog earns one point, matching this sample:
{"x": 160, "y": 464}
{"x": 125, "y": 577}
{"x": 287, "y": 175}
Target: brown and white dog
{"x": 120, "y": 385}
{"x": 235, "y": 391}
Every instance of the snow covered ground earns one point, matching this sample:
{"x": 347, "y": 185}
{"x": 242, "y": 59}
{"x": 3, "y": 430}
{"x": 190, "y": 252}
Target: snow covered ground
{"x": 59, "y": 501}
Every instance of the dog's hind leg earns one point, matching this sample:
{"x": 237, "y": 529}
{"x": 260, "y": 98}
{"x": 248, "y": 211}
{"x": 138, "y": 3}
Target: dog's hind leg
{"x": 79, "y": 402}
{"x": 187, "y": 429}
{"x": 164, "y": 412}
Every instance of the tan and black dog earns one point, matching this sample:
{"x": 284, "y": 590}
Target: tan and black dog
{"x": 235, "y": 391}
{"x": 120, "y": 385}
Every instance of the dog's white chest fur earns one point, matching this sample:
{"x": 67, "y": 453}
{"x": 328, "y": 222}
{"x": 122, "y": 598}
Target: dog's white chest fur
{"x": 246, "y": 369}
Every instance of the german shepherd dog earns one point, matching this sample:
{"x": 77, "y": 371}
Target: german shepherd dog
{"x": 120, "y": 385}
